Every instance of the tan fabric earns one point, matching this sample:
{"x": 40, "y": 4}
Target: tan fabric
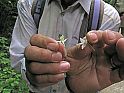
{"x": 68, "y": 22}
{"x": 57, "y": 21}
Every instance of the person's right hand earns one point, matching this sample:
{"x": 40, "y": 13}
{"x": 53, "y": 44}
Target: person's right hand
{"x": 44, "y": 61}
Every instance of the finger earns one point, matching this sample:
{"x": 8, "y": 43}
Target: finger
{"x": 110, "y": 50}
{"x": 111, "y": 37}
{"x": 47, "y": 43}
{"x": 115, "y": 61}
{"x": 42, "y": 55}
{"x": 121, "y": 72}
{"x": 41, "y": 41}
{"x": 35, "y": 83}
{"x": 78, "y": 53}
{"x": 95, "y": 38}
{"x": 49, "y": 78}
{"x": 120, "y": 49}
{"x": 105, "y": 39}
{"x": 44, "y": 80}
{"x": 48, "y": 68}
{"x": 118, "y": 67}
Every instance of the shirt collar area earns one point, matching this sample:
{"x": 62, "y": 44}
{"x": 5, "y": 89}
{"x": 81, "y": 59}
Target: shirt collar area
{"x": 49, "y": 1}
{"x": 84, "y": 3}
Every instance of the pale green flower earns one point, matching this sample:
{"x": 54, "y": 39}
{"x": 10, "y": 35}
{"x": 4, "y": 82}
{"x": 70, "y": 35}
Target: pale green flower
{"x": 62, "y": 39}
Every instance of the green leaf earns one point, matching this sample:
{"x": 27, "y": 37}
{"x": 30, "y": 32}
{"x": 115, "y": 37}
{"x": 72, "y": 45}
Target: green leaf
{"x": 6, "y": 91}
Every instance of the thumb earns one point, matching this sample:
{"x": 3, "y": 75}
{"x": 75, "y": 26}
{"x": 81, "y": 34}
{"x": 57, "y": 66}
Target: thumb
{"x": 79, "y": 51}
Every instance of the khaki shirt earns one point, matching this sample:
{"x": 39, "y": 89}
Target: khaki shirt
{"x": 55, "y": 20}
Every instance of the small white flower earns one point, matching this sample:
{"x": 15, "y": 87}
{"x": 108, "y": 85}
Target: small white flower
{"x": 84, "y": 43}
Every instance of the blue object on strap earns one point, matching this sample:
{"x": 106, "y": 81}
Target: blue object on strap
{"x": 96, "y": 14}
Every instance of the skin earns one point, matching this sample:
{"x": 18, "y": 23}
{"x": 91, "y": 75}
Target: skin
{"x": 66, "y": 3}
{"x": 44, "y": 59}
{"x": 95, "y": 70}
{"x": 45, "y": 64}
{"x": 47, "y": 61}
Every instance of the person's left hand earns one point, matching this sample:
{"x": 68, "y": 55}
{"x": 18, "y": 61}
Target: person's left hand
{"x": 99, "y": 64}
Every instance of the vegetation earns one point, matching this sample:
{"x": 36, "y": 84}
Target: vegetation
{"x": 10, "y": 81}
{"x": 8, "y": 13}
{"x": 112, "y": 2}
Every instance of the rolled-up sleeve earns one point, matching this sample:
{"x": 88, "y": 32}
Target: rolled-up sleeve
{"x": 111, "y": 18}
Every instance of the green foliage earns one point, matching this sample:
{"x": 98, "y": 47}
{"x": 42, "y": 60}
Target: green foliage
{"x": 8, "y": 14}
{"x": 114, "y": 3}
{"x": 10, "y": 81}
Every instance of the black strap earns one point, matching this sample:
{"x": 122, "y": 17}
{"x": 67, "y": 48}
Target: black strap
{"x": 90, "y": 17}
{"x": 38, "y": 7}
{"x": 101, "y": 14}
{"x": 37, "y": 10}
{"x": 87, "y": 21}
{"x": 92, "y": 13}
{"x": 84, "y": 25}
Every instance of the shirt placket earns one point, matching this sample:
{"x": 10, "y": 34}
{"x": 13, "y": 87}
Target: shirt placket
{"x": 56, "y": 88}
{"x": 59, "y": 25}
{"x": 59, "y": 31}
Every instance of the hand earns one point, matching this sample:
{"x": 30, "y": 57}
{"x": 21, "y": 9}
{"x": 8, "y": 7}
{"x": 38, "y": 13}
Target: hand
{"x": 98, "y": 65}
{"x": 44, "y": 61}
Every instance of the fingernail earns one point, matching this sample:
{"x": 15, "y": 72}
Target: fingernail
{"x": 52, "y": 46}
{"x": 92, "y": 36}
{"x": 111, "y": 35}
{"x": 57, "y": 56}
{"x": 64, "y": 66}
{"x": 61, "y": 76}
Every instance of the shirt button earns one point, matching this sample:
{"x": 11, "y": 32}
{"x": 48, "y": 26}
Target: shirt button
{"x": 54, "y": 91}
{"x": 62, "y": 13}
